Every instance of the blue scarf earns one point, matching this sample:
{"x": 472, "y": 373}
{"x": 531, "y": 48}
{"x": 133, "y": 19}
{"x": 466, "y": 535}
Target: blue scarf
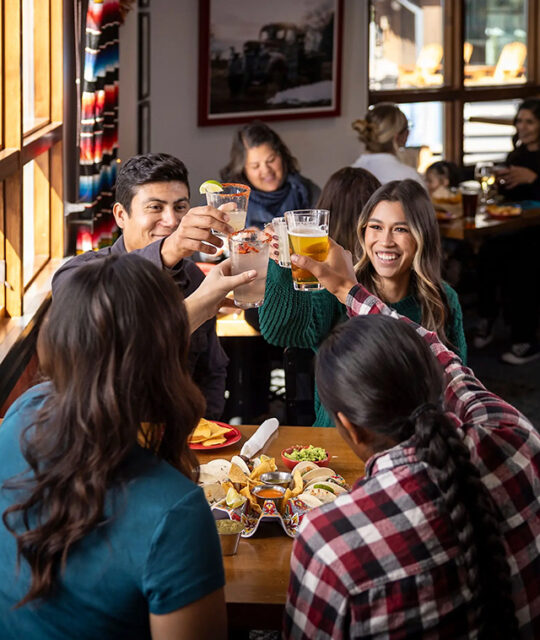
{"x": 265, "y": 205}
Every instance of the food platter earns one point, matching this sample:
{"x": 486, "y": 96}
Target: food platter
{"x": 232, "y": 437}
{"x": 503, "y": 212}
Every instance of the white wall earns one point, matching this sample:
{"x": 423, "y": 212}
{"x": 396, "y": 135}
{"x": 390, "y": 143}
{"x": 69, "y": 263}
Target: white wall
{"x": 322, "y": 145}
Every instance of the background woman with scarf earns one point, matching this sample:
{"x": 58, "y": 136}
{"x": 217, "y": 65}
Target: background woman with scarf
{"x": 262, "y": 160}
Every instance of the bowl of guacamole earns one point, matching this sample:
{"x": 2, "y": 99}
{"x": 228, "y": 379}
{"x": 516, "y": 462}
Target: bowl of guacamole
{"x": 300, "y": 453}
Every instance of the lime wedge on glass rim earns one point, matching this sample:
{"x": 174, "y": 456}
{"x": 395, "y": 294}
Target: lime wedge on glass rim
{"x": 211, "y": 186}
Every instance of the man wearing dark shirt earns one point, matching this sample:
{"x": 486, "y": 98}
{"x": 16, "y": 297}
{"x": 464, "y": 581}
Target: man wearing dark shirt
{"x": 153, "y": 211}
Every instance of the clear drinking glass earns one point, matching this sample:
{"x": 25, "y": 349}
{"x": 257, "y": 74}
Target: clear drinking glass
{"x": 280, "y": 229}
{"x": 484, "y": 172}
{"x": 308, "y": 236}
{"x": 250, "y": 249}
{"x": 236, "y": 193}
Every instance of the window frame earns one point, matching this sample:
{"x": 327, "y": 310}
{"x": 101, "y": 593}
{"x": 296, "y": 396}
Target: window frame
{"x": 19, "y": 147}
{"x": 453, "y": 93}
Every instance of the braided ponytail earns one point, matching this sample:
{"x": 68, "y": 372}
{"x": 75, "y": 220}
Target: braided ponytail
{"x": 383, "y": 376}
{"x": 474, "y": 515}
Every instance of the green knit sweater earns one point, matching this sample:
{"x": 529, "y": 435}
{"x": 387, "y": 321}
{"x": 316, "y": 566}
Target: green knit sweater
{"x": 291, "y": 318}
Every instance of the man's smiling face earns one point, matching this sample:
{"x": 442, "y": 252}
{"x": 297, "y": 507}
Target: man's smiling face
{"x": 155, "y": 212}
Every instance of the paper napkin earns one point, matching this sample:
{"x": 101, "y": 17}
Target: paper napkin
{"x": 259, "y": 438}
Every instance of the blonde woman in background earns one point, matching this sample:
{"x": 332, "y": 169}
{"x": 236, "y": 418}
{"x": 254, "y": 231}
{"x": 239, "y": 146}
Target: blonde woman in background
{"x": 383, "y": 131}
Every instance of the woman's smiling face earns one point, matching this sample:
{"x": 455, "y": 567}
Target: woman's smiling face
{"x": 264, "y": 168}
{"x": 528, "y": 129}
{"x": 389, "y": 243}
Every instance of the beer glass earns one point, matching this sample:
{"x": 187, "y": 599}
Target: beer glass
{"x": 308, "y": 236}
{"x": 469, "y": 190}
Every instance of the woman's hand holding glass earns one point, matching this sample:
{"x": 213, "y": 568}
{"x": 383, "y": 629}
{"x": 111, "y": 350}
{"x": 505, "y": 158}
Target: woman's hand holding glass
{"x": 211, "y": 294}
{"x": 336, "y": 273}
{"x": 513, "y": 176}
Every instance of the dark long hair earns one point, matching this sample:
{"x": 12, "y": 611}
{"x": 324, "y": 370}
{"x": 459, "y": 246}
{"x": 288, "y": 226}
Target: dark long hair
{"x": 114, "y": 345}
{"x": 446, "y": 169}
{"x": 532, "y": 105}
{"x": 251, "y": 135}
{"x": 396, "y": 394}
{"x": 426, "y": 280}
{"x": 344, "y": 195}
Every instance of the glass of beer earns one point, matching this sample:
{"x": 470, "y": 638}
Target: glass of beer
{"x": 470, "y": 190}
{"x": 236, "y": 193}
{"x": 308, "y": 236}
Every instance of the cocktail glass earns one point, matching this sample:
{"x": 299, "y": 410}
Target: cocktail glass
{"x": 250, "y": 249}
{"x": 308, "y": 236}
{"x": 280, "y": 229}
{"x": 237, "y": 194}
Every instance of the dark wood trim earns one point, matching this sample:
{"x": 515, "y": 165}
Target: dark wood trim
{"x": 533, "y": 42}
{"x": 20, "y": 354}
{"x": 9, "y": 162}
{"x": 41, "y": 141}
{"x": 467, "y": 94}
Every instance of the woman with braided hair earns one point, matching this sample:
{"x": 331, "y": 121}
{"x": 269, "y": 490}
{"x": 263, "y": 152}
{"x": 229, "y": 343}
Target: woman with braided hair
{"x": 441, "y": 538}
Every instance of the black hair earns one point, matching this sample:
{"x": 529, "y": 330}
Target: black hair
{"x": 446, "y": 169}
{"x": 395, "y": 394}
{"x": 532, "y": 105}
{"x": 142, "y": 169}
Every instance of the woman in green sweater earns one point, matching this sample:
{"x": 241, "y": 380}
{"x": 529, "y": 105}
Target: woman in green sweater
{"x": 399, "y": 260}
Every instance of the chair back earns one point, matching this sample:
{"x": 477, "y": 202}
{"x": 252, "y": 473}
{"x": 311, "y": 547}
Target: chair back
{"x": 429, "y": 58}
{"x": 510, "y": 62}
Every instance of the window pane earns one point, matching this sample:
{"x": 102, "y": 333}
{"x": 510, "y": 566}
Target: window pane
{"x": 488, "y": 130}
{"x": 426, "y": 132}
{"x": 405, "y": 44}
{"x": 497, "y": 32}
{"x": 36, "y": 216}
{"x": 36, "y": 65}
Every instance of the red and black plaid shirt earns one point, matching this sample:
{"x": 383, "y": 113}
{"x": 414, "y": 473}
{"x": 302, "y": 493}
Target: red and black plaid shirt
{"x": 384, "y": 561}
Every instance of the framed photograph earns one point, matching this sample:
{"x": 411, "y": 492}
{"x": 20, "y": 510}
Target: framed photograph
{"x": 273, "y": 60}
{"x": 143, "y": 129}
{"x": 144, "y": 55}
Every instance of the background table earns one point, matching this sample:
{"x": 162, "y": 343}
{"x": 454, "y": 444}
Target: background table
{"x": 258, "y": 575}
{"x": 485, "y": 226}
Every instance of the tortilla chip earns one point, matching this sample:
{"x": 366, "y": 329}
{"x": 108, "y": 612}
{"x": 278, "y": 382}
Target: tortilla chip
{"x": 212, "y": 441}
{"x": 298, "y": 484}
{"x": 237, "y": 475}
{"x": 216, "y": 430}
{"x": 265, "y": 467}
{"x": 252, "y": 500}
{"x": 201, "y": 430}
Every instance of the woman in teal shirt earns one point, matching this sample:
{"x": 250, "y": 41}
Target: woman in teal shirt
{"x": 399, "y": 260}
{"x": 112, "y": 536}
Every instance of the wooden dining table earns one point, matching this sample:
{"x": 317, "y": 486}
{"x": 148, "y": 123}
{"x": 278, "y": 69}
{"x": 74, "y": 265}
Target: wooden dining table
{"x": 484, "y": 226}
{"x": 257, "y": 577}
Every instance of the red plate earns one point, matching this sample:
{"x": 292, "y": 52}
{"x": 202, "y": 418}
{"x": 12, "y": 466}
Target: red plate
{"x": 233, "y": 436}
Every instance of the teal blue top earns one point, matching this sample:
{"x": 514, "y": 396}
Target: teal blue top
{"x": 159, "y": 553}
{"x": 290, "y": 318}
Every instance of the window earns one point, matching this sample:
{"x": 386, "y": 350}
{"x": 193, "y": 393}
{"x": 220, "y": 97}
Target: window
{"x": 406, "y": 44}
{"x": 31, "y": 203}
{"x": 469, "y": 61}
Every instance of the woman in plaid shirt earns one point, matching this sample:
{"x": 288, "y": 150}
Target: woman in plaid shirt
{"x": 441, "y": 538}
